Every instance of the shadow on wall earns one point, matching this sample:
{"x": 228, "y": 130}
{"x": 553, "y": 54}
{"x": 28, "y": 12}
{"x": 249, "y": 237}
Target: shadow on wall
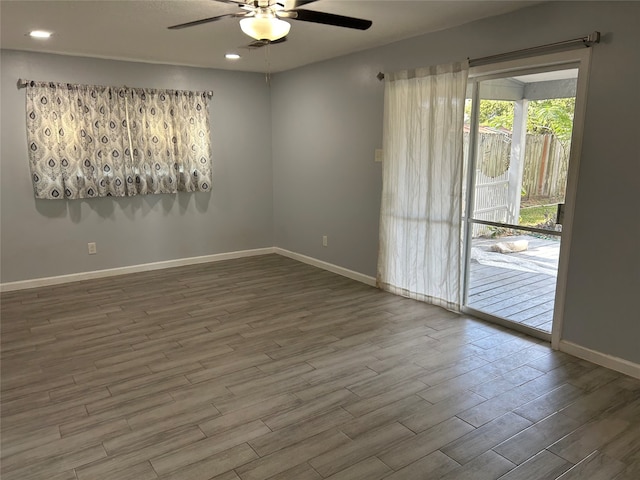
{"x": 132, "y": 207}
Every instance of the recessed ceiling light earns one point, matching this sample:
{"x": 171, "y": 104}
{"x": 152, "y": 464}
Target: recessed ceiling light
{"x": 39, "y": 34}
{"x": 232, "y": 56}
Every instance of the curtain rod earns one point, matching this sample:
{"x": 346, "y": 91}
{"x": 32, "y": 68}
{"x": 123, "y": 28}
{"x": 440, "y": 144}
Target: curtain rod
{"x": 23, "y": 83}
{"x": 586, "y": 41}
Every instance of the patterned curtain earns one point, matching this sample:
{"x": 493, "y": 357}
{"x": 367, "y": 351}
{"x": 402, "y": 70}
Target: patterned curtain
{"x": 89, "y": 141}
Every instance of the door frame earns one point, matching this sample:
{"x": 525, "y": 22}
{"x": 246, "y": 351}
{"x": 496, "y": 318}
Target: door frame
{"x": 573, "y": 58}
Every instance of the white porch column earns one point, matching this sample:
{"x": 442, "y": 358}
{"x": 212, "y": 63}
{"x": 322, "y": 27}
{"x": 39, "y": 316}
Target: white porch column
{"x": 516, "y": 165}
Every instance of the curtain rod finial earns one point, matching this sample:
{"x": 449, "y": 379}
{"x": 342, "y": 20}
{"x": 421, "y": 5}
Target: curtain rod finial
{"x": 380, "y": 76}
{"x": 592, "y": 39}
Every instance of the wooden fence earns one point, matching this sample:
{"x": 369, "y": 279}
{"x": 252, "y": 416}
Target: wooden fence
{"x": 545, "y": 168}
{"x": 492, "y": 180}
{"x": 544, "y": 174}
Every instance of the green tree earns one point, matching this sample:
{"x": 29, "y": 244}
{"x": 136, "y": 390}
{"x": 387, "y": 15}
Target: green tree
{"x": 553, "y": 116}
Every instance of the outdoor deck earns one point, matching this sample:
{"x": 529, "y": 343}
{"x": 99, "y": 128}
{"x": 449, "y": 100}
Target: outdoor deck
{"x": 519, "y": 287}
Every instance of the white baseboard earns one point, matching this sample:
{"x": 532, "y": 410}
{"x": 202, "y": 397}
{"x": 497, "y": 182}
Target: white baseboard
{"x": 599, "y": 358}
{"x": 145, "y": 267}
{"x": 345, "y": 272}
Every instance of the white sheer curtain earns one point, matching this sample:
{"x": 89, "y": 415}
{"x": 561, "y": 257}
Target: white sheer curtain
{"x": 420, "y": 219}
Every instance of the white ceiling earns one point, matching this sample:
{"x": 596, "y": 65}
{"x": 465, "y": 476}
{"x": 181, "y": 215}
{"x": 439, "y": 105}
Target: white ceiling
{"x": 137, "y": 29}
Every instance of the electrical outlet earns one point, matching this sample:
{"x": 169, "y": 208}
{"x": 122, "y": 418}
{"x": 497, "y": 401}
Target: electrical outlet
{"x": 91, "y": 246}
{"x": 325, "y": 240}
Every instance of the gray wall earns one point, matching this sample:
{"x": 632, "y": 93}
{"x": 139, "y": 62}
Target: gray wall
{"x": 41, "y": 238}
{"x": 327, "y": 122}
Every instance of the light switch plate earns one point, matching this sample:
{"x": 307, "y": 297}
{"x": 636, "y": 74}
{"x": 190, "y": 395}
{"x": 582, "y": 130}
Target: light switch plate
{"x": 379, "y": 155}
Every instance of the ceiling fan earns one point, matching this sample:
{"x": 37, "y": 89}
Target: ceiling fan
{"x": 261, "y": 19}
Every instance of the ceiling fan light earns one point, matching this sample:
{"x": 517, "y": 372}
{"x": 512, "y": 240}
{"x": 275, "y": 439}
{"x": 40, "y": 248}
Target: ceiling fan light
{"x": 265, "y": 27}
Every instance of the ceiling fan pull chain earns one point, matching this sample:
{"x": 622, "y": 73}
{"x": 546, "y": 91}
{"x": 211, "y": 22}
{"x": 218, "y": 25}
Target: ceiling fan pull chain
{"x": 267, "y": 75}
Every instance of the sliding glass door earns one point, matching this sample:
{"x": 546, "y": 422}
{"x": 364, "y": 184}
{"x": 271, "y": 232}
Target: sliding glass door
{"x": 518, "y": 140}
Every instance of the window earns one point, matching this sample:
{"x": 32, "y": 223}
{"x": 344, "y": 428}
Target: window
{"x": 90, "y": 141}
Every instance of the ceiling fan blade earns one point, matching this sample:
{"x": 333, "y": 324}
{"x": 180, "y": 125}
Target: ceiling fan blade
{"x": 299, "y": 3}
{"x": 204, "y": 20}
{"x": 331, "y": 19}
{"x": 264, "y": 43}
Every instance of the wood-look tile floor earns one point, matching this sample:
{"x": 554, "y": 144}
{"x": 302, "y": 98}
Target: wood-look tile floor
{"x": 268, "y": 368}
